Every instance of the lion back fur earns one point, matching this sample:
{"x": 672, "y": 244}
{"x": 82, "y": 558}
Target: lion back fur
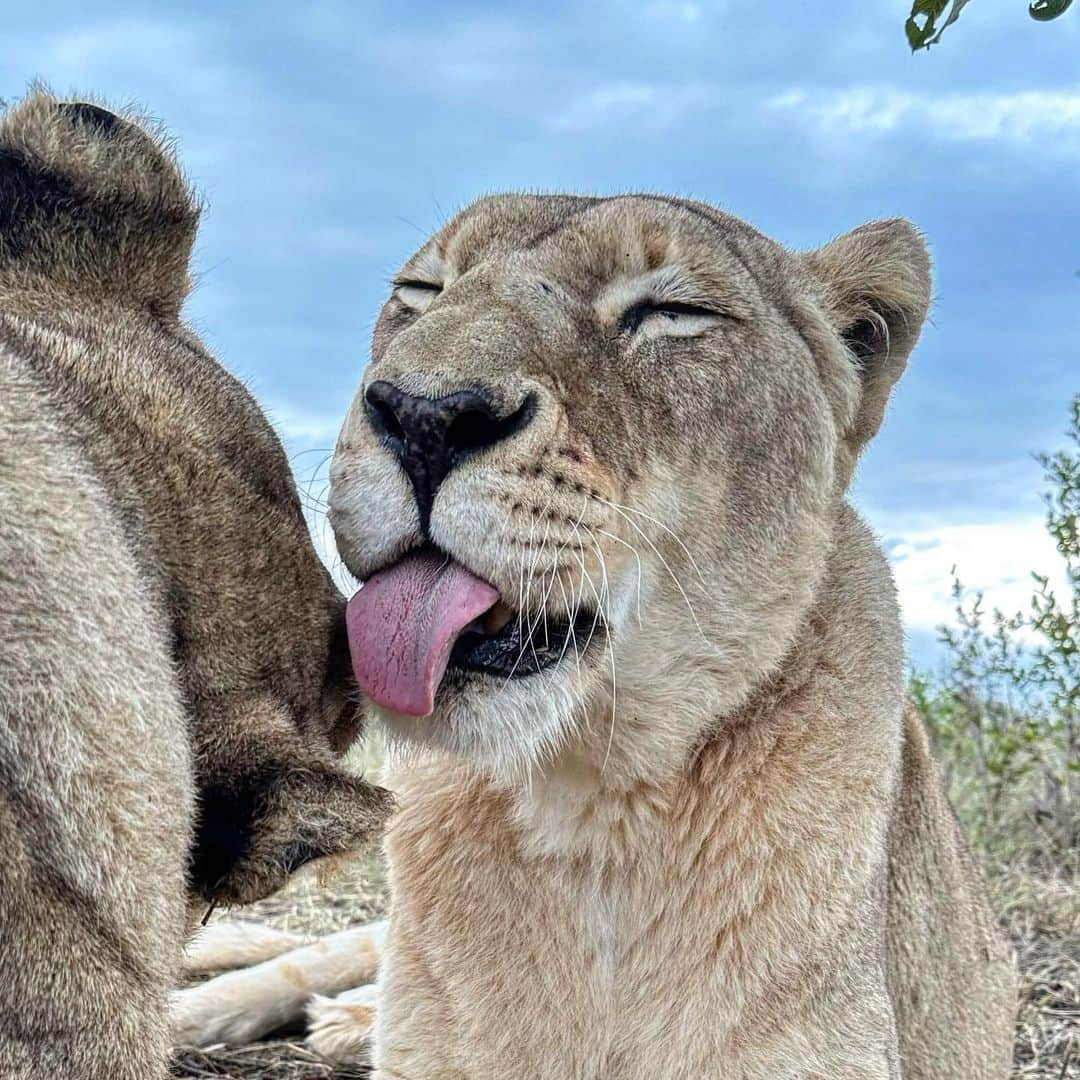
{"x": 174, "y": 685}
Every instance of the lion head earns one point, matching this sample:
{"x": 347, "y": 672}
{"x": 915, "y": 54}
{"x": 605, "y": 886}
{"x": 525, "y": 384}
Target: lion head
{"x": 592, "y": 473}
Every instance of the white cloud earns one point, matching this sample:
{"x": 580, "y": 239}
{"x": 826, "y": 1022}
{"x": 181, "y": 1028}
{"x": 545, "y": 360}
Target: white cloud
{"x": 996, "y": 559}
{"x": 88, "y": 49}
{"x": 1049, "y": 117}
{"x": 130, "y": 51}
{"x": 653, "y": 106}
{"x": 677, "y": 11}
{"x": 177, "y": 68}
{"x": 1013, "y": 117}
{"x": 304, "y": 426}
{"x": 469, "y": 54}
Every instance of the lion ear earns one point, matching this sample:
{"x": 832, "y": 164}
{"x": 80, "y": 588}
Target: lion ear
{"x": 874, "y": 286}
{"x": 93, "y": 202}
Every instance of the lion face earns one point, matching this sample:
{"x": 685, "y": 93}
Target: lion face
{"x": 591, "y": 472}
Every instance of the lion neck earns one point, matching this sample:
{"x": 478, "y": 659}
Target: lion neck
{"x": 613, "y": 793}
{"x": 621, "y": 786}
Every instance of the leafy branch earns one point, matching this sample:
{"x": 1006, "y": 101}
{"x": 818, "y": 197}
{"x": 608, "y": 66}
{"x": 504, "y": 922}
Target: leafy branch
{"x": 929, "y": 19}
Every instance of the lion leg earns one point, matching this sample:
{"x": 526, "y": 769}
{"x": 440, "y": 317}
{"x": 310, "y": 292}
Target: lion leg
{"x": 226, "y": 946}
{"x": 242, "y": 1006}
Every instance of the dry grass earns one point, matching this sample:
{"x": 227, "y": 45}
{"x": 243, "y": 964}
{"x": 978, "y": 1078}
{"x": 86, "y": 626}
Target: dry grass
{"x": 308, "y": 905}
{"x": 1043, "y": 919}
{"x": 263, "y": 1061}
{"x": 346, "y": 895}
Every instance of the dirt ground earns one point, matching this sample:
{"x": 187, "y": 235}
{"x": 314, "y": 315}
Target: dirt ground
{"x": 1042, "y": 917}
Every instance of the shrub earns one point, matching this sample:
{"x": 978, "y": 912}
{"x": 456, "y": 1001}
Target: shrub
{"x": 1004, "y": 711}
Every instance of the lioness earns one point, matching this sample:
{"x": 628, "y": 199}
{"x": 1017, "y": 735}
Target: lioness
{"x": 662, "y": 812}
{"x": 174, "y": 677}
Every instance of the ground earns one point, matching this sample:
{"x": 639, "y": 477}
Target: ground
{"x": 1042, "y": 915}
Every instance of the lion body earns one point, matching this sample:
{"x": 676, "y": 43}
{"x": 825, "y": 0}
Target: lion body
{"x": 792, "y": 902}
{"x": 706, "y": 840}
{"x": 165, "y": 737}
{"x": 714, "y": 846}
{"x": 92, "y": 893}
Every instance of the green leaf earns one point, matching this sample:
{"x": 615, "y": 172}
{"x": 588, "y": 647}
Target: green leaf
{"x": 919, "y": 35}
{"x": 1045, "y": 10}
{"x": 922, "y": 34}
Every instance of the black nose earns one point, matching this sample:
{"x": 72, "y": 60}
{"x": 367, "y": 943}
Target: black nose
{"x": 433, "y": 435}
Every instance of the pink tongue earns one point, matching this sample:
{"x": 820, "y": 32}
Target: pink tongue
{"x": 403, "y": 623}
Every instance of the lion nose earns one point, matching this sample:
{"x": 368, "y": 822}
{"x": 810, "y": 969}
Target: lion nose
{"x": 431, "y": 436}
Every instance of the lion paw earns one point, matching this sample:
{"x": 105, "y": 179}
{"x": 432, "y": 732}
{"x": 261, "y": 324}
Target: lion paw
{"x": 339, "y": 1028}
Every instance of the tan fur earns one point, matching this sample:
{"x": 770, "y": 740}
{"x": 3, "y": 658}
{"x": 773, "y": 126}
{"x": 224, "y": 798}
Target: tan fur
{"x": 707, "y": 843}
{"x": 171, "y": 695}
{"x": 224, "y": 946}
{"x": 339, "y": 1028}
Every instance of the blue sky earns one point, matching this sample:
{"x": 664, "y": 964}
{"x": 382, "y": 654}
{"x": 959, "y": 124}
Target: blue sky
{"x": 330, "y": 138}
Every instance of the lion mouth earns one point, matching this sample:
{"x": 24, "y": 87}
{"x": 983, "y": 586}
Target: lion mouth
{"x": 427, "y": 614}
{"x": 523, "y": 645}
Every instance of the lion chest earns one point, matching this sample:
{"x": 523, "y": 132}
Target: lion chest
{"x": 542, "y": 960}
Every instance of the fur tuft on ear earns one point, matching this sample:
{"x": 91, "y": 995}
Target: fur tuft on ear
{"x": 92, "y": 202}
{"x": 874, "y": 287}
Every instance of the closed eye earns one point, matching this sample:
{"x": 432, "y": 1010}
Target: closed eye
{"x": 417, "y": 295}
{"x": 669, "y": 317}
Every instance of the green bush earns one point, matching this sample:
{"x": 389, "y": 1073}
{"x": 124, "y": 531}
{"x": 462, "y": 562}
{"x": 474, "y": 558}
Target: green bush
{"x": 1004, "y": 711}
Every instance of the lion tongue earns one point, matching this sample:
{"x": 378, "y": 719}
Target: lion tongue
{"x": 403, "y": 623}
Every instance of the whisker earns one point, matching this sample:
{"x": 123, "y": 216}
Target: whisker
{"x": 674, "y": 577}
{"x": 528, "y": 590}
{"x": 648, "y": 517}
{"x": 531, "y": 638}
{"x": 637, "y": 556}
{"x": 611, "y": 730}
{"x": 605, "y": 589}
{"x": 556, "y": 564}
{"x": 582, "y": 647}
{"x": 610, "y": 647}
{"x": 587, "y": 577}
{"x": 571, "y": 617}
{"x": 580, "y": 549}
{"x": 523, "y": 593}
